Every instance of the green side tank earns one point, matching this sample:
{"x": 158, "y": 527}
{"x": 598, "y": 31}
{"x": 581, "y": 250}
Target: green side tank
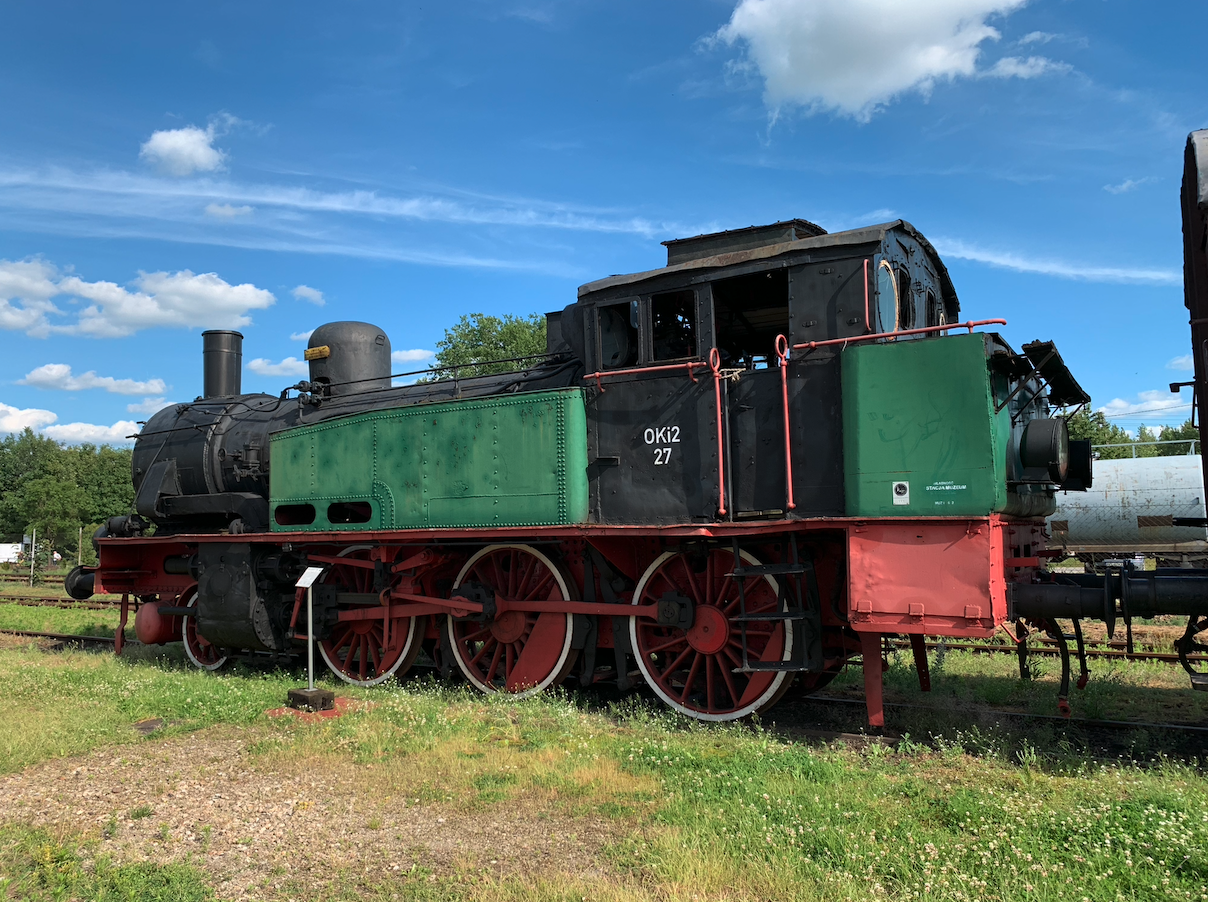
{"x": 512, "y": 460}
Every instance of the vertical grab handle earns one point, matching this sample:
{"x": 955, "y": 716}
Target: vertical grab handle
{"x": 715, "y": 366}
{"x": 782, "y": 356}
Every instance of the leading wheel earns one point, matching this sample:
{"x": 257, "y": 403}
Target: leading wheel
{"x": 694, "y": 670}
{"x": 519, "y": 652}
{"x": 202, "y": 653}
{"x": 370, "y": 651}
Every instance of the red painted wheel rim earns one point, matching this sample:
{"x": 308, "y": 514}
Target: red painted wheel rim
{"x": 693, "y": 670}
{"x": 365, "y": 652}
{"x": 520, "y": 651}
{"x": 202, "y": 653}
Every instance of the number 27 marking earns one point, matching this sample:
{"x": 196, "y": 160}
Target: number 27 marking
{"x": 662, "y": 456}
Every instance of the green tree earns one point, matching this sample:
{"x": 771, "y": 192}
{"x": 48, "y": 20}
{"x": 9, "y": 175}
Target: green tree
{"x": 1176, "y": 433}
{"x": 60, "y": 489}
{"x": 1093, "y": 425}
{"x": 477, "y": 339}
{"x": 23, "y": 456}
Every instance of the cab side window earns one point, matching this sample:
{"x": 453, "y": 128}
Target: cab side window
{"x": 618, "y": 331}
{"x": 905, "y": 299}
{"x": 673, "y": 324}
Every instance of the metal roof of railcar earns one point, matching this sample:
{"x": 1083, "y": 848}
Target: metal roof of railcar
{"x": 873, "y": 234}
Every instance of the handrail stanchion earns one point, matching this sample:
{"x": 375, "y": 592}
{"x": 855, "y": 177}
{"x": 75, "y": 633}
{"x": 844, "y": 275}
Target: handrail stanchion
{"x": 782, "y": 355}
{"x": 715, "y": 366}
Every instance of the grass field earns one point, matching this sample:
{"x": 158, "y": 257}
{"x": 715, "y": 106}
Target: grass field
{"x": 140, "y": 779}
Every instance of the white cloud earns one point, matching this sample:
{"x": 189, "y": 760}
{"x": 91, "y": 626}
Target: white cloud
{"x": 183, "y": 151}
{"x": 1037, "y": 37}
{"x": 58, "y": 376}
{"x": 853, "y": 56}
{"x": 75, "y": 433}
{"x": 13, "y": 419}
{"x": 227, "y": 211}
{"x": 301, "y": 336}
{"x": 412, "y": 356}
{"x": 29, "y": 283}
{"x": 1184, "y": 364}
{"x": 164, "y": 299}
{"x": 1059, "y": 268}
{"x": 306, "y": 293}
{"x": 290, "y": 366}
{"x": 1150, "y": 405}
{"x": 1032, "y": 67}
{"x": 1128, "y": 185}
{"x": 181, "y": 299}
{"x": 149, "y": 406}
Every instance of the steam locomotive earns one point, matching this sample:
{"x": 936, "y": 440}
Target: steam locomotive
{"x": 725, "y": 477}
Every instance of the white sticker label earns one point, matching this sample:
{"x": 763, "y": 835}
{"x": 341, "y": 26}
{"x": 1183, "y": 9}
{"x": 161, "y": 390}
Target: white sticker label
{"x": 901, "y": 493}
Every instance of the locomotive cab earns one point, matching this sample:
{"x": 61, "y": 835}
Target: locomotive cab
{"x": 737, "y": 308}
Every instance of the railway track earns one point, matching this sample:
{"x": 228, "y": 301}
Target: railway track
{"x": 41, "y": 601}
{"x": 1037, "y": 645}
{"x": 65, "y": 637}
{"x": 1048, "y": 648}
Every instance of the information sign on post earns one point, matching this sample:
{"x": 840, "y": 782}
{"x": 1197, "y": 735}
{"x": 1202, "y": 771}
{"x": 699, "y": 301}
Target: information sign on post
{"x": 310, "y": 697}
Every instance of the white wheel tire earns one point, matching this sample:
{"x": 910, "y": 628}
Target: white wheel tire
{"x": 563, "y": 586}
{"x": 382, "y": 677}
{"x": 767, "y": 697}
{"x": 405, "y": 656}
{"x": 192, "y": 602}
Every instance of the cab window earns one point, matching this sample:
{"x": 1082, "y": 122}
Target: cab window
{"x": 618, "y": 331}
{"x": 673, "y": 324}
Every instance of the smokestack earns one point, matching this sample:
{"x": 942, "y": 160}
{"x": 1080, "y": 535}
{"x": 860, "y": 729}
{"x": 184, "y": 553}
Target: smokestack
{"x": 222, "y": 356}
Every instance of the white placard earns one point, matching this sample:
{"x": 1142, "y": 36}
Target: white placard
{"x": 307, "y": 579}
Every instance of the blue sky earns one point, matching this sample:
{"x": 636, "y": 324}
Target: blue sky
{"x": 269, "y": 167}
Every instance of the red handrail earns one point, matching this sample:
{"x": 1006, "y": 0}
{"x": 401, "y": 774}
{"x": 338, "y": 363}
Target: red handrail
{"x": 810, "y": 345}
{"x": 782, "y": 356}
{"x": 715, "y": 366}
{"x": 608, "y": 374}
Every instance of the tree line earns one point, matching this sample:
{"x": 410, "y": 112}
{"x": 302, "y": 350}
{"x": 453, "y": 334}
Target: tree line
{"x": 60, "y": 489}
{"x": 1096, "y": 427}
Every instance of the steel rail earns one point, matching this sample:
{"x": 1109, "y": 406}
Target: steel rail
{"x": 1047, "y": 647}
{"x": 1080, "y": 721}
{"x": 63, "y": 637}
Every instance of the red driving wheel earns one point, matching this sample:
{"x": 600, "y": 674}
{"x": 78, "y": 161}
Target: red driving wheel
{"x": 519, "y": 652}
{"x": 695, "y": 670}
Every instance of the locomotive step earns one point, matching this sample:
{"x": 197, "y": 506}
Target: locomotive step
{"x": 774, "y": 616}
{"x": 1199, "y": 681}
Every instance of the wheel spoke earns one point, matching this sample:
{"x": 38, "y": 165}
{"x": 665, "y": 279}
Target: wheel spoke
{"x": 692, "y": 675}
{"x": 735, "y": 695}
{"x": 494, "y": 663}
{"x": 690, "y": 578}
{"x": 674, "y": 664}
{"x": 488, "y": 644}
{"x": 675, "y": 640}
